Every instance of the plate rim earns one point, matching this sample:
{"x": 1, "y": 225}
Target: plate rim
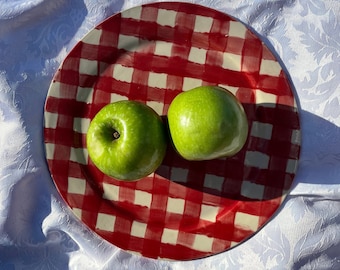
{"x": 158, "y": 4}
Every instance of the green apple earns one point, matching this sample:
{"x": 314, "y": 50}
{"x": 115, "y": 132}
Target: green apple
{"x": 126, "y": 140}
{"x": 207, "y": 122}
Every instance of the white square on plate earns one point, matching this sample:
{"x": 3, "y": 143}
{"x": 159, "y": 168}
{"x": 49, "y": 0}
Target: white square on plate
{"x": 268, "y": 99}
{"x": 143, "y": 198}
{"x": 111, "y": 192}
{"x": 256, "y": 159}
{"x": 84, "y": 94}
{"x": 52, "y": 119}
{"x": 246, "y": 221}
{"x": 232, "y": 243}
{"x": 251, "y": 190}
{"x": 157, "y": 106}
{"x": 81, "y": 125}
{"x": 77, "y": 212}
{"x": 232, "y": 61}
{"x": 166, "y": 17}
{"x": 296, "y": 136}
{"x": 129, "y": 43}
{"x": 175, "y": 205}
{"x": 291, "y": 165}
{"x": 49, "y": 150}
{"x": 76, "y": 186}
{"x": 189, "y": 83}
{"x": 213, "y": 181}
{"x": 88, "y": 67}
{"x": 237, "y": 29}
{"x": 203, "y": 243}
{"x": 179, "y": 174}
{"x": 197, "y": 55}
{"x": 55, "y": 90}
{"x": 79, "y": 155}
{"x": 209, "y": 212}
{"x": 122, "y": 73}
{"x": 169, "y": 236}
{"x": 163, "y": 48}
{"x": 105, "y": 222}
{"x": 138, "y": 229}
{"x": 132, "y": 13}
{"x": 94, "y": 37}
{"x": 261, "y": 130}
{"x": 116, "y": 97}
{"x": 231, "y": 89}
{"x": 157, "y": 80}
{"x": 270, "y": 67}
{"x": 203, "y": 24}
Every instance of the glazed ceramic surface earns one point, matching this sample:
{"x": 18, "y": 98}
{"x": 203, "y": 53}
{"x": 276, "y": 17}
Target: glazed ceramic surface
{"x": 185, "y": 210}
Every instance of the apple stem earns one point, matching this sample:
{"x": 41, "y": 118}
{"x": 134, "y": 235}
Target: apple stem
{"x": 115, "y": 135}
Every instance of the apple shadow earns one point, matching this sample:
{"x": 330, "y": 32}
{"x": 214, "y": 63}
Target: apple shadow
{"x": 264, "y": 169}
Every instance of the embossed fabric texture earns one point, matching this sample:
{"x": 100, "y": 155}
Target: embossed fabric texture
{"x": 38, "y": 230}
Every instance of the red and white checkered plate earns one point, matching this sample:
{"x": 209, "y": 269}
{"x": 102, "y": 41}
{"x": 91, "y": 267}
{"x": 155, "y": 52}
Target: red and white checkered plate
{"x": 185, "y": 210}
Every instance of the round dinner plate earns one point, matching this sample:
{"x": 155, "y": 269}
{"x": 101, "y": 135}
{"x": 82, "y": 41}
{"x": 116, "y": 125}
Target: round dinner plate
{"x": 185, "y": 210}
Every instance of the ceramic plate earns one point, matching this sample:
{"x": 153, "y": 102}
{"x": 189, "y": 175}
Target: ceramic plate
{"x": 185, "y": 210}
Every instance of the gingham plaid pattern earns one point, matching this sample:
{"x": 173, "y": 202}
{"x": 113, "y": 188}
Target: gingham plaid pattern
{"x": 185, "y": 210}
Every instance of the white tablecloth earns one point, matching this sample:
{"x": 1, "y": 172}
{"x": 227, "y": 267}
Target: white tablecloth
{"x": 37, "y": 229}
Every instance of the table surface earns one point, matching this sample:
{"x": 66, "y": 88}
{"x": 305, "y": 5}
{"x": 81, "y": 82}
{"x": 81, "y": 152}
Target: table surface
{"x": 39, "y": 231}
